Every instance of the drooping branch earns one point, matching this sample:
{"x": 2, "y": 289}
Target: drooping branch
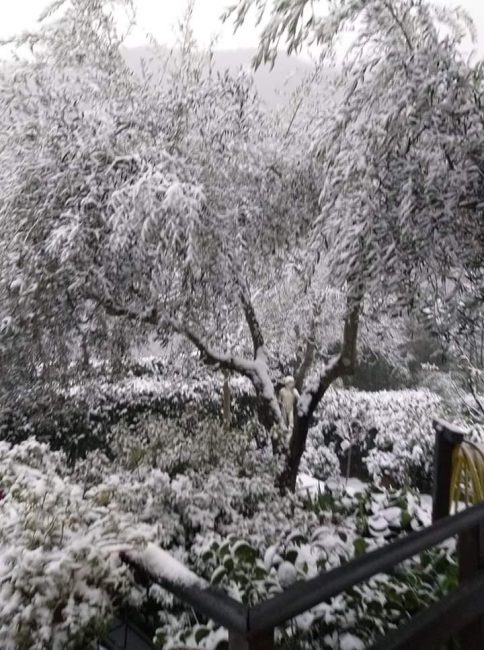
{"x": 399, "y": 22}
{"x": 211, "y": 356}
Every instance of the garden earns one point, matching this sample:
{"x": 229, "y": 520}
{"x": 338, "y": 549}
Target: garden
{"x": 226, "y": 329}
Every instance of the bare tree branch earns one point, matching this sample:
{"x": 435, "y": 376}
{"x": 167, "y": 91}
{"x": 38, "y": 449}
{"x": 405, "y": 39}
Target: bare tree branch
{"x": 149, "y": 316}
{"x": 214, "y": 357}
{"x": 341, "y": 365}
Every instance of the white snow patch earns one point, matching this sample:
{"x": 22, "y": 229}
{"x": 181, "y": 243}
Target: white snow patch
{"x": 351, "y": 642}
{"x": 309, "y": 484}
{"x": 449, "y": 426}
{"x": 355, "y": 486}
{"x": 161, "y": 564}
{"x": 287, "y": 574}
{"x": 393, "y": 515}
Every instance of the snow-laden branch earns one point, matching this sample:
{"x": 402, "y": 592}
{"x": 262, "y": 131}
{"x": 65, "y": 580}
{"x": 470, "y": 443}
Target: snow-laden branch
{"x": 257, "y": 369}
{"x": 149, "y": 315}
{"x": 212, "y": 356}
{"x": 161, "y": 566}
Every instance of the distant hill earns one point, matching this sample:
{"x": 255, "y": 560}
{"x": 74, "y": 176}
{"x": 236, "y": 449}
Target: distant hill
{"x": 274, "y": 86}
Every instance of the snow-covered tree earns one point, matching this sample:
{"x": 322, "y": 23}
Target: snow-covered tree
{"x": 165, "y": 206}
{"x": 182, "y": 209}
{"x": 401, "y": 204}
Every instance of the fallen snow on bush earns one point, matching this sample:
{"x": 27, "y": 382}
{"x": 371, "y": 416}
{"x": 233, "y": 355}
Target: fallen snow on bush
{"x": 60, "y": 573}
{"x": 385, "y": 434}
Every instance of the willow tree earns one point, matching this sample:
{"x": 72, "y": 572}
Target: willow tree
{"x": 401, "y": 210}
{"x": 184, "y": 209}
{"x": 164, "y": 207}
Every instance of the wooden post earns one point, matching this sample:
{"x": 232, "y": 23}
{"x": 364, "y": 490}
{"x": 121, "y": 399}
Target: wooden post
{"x": 470, "y": 553}
{"x": 447, "y": 437}
{"x": 260, "y": 641}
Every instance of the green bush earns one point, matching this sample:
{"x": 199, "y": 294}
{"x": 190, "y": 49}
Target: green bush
{"x": 378, "y": 436}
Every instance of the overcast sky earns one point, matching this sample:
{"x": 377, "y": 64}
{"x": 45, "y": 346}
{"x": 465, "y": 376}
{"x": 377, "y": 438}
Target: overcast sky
{"x": 160, "y": 16}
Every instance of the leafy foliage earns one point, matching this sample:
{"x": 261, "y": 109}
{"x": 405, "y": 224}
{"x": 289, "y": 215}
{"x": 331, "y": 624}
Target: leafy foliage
{"x": 383, "y": 436}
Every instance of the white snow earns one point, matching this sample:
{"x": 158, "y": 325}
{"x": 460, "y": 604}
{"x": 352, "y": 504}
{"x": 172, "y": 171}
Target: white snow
{"x": 355, "y": 486}
{"x": 309, "y": 485}
{"x": 161, "y": 564}
{"x": 351, "y": 642}
{"x": 287, "y": 574}
{"x": 453, "y": 428}
{"x": 393, "y": 515}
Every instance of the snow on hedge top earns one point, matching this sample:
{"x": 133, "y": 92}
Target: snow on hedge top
{"x": 449, "y": 426}
{"x": 158, "y": 387}
{"x": 392, "y": 430}
{"x": 161, "y": 564}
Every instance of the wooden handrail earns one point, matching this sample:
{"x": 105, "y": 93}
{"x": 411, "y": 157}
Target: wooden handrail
{"x": 458, "y": 609}
{"x": 304, "y": 595}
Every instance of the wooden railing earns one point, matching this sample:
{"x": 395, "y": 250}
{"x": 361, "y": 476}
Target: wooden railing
{"x": 459, "y": 613}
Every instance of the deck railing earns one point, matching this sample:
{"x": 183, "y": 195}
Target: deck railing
{"x": 459, "y": 613}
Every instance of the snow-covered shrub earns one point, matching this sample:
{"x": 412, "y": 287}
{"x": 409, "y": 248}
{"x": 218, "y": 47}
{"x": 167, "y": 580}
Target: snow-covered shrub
{"x": 178, "y": 445}
{"x": 444, "y": 384}
{"x": 208, "y": 479}
{"x": 61, "y": 529}
{"x": 60, "y": 575}
{"x": 375, "y": 372}
{"x": 80, "y": 418}
{"x": 320, "y": 460}
{"x": 381, "y": 435}
{"x": 346, "y": 525}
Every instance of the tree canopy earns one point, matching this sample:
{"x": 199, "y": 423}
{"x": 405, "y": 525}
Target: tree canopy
{"x": 137, "y": 210}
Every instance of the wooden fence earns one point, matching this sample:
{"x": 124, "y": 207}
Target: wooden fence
{"x": 461, "y": 613}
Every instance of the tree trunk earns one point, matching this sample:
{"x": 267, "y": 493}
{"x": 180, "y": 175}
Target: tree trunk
{"x": 86, "y": 362}
{"x": 268, "y": 419}
{"x": 297, "y": 445}
{"x": 226, "y": 402}
{"x": 287, "y": 479}
{"x": 342, "y": 365}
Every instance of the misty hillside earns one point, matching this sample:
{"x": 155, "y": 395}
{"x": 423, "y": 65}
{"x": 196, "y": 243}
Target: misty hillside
{"x": 274, "y": 86}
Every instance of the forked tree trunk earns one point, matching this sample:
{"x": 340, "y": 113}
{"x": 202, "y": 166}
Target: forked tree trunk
{"x": 342, "y": 365}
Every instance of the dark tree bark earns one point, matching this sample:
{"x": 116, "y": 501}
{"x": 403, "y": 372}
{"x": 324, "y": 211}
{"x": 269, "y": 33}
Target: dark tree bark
{"x": 226, "y": 401}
